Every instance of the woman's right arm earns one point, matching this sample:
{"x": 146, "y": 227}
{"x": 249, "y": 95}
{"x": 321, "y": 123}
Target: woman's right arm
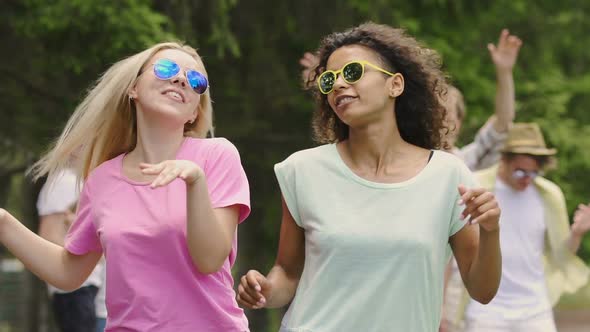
{"x": 53, "y": 228}
{"x": 278, "y": 287}
{"x": 48, "y": 261}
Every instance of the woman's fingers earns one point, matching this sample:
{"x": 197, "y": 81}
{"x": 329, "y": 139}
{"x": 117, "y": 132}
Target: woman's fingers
{"x": 166, "y": 176}
{"x": 481, "y": 210}
{"x": 244, "y": 298}
{"x": 474, "y": 206}
{"x": 468, "y": 194}
{"x": 250, "y": 290}
{"x": 151, "y": 169}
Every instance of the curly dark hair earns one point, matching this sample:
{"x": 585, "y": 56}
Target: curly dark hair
{"x": 418, "y": 110}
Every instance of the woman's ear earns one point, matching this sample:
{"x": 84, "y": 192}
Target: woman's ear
{"x": 396, "y": 85}
{"x": 132, "y": 93}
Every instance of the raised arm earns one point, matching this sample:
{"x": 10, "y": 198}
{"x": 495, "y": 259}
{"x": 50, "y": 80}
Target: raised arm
{"x": 48, "y": 261}
{"x": 580, "y": 227}
{"x": 308, "y": 62}
{"x": 504, "y": 57}
{"x": 278, "y": 287}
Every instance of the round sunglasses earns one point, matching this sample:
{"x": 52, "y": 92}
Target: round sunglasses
{"x": 520, "y": 174}
{"x": 166, "y": 69}
{"x": 351, "y": 72}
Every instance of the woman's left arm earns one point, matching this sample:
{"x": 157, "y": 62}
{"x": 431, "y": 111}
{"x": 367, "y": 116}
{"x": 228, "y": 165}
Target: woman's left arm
{"x": 210, "y": 231}
{"x": 477, "y": 248}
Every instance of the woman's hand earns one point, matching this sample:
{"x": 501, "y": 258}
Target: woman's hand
{"x": 169, "y": 170}
{"x": 253, "y": 290}
{"x": 481, "y": 207}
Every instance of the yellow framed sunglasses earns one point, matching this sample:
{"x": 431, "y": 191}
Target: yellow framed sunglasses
{"x": 351, "y": 72}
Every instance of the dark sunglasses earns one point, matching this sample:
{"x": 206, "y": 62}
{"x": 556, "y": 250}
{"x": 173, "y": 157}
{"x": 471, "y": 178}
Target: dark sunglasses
{"x": 520, "y": 174}
{"x": 351, "y": 72}
{"x": 166, "y": 69}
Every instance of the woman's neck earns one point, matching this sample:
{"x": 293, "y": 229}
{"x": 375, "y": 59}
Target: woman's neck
{"x": 376, "y": 146}
{"x": 156, "y": 143}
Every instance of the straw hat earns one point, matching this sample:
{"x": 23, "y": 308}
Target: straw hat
{"x": 527, "y": 138}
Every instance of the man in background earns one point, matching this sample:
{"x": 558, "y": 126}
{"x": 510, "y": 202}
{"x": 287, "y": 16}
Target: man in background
{"x": 73, "y": 311}
{"x": 539, "y": 261}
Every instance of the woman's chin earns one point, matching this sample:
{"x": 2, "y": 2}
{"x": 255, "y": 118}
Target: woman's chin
{"x": 166, "y": 114}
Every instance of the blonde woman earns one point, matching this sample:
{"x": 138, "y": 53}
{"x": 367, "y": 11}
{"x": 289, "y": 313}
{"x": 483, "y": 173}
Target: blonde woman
{"x": 160, "y": 200}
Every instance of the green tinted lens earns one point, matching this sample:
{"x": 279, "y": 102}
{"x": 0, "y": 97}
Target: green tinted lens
{"x": 352, "y": 72}
{"x": 327, "y": 80}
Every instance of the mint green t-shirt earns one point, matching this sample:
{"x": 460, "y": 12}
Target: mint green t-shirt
{"x": 375, "y": 253}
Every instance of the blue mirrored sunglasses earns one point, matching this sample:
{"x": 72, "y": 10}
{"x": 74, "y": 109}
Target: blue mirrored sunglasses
{"x": 166, "y": 69}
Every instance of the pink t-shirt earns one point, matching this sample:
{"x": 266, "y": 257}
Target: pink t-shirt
{"x": 152, "y": 283}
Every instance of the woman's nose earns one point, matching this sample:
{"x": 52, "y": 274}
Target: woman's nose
{"x": 180, "y": 79}
{"x": 339, "y": 82}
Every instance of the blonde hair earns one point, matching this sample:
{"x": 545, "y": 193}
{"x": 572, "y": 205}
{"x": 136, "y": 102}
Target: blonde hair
{"x": 104, "y": 123}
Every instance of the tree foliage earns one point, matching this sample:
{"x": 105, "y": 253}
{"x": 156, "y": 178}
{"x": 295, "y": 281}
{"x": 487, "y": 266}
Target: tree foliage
{"x": 251, "y": 48}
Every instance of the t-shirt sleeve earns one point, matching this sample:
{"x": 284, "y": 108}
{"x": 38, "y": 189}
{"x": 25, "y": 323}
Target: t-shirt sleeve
{"x": 226, "y": 179}
{"x": 467, "y": 179}
{"x": 286, "y": 176}
{"x": 82, "y": 236}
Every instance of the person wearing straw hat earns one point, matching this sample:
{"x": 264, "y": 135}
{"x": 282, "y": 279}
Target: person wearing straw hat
{"x": 484, "y": 150}
{"x": 537, "y": 243}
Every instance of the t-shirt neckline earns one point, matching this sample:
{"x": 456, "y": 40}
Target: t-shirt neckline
{"x": 139, "y": 183}
{"x": 382, "y": 185}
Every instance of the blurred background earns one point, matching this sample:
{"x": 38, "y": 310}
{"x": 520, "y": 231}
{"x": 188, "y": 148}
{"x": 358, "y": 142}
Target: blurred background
{"x": 53, "y": 50}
